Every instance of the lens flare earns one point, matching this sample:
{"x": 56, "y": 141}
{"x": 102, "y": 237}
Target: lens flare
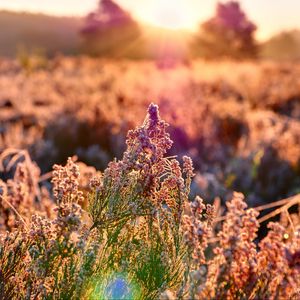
{"x": 115, "y": 286}
{"x": 119, "y": 288}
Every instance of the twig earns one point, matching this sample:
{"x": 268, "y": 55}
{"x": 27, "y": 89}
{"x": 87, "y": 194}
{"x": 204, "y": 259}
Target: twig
{"x": 270, "y": 205}
{"x": 15, "y": 210}
{"x": 286, "y": 204}
{"x": 45, "y": 176}
{"x": 292, "y": 201}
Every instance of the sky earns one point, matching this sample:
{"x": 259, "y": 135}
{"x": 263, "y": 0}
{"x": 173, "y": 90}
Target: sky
{"x": 271, "y": 16}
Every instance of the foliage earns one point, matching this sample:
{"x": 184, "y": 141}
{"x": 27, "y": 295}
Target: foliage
{"x": 228, "y": 34}
{"x": 140, "y": 236}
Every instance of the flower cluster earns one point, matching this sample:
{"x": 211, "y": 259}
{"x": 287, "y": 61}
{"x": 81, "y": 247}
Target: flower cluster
{"x": 141, "y": 230}
{"x": 21, "y": 196}
{"x": 65, "y": 183}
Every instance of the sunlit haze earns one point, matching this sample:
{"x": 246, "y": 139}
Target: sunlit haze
{"x": 270, "y": 16}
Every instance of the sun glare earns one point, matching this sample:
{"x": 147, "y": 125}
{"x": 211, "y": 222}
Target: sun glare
{"x": 170, "y": 14}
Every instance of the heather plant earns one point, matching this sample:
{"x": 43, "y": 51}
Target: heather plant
{"x": 135, "y": 208}
{"x": 21, "y": 195}
{"x": 141, "y": 236}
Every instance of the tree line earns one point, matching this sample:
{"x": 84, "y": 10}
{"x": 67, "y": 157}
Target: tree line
{"x": 111, "y": 31}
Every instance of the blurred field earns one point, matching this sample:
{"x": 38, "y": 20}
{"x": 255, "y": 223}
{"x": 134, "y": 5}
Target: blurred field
{"x": 240, "y": 122}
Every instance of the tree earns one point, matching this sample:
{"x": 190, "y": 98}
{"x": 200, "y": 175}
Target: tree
{"x": 228, "y": 34}
{"x": 110, "y": 31}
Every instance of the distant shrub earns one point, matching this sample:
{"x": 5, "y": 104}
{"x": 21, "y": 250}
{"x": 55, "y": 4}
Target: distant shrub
{"x": 228, "y": 34}
{"x": 31, "y": 60}
{"x": 110, "y": 31}
{"x": 282, "y": 46}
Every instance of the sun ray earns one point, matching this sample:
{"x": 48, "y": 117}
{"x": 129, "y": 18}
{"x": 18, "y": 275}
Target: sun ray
{"x": 169, "y": 14}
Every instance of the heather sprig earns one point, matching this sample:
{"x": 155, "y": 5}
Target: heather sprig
{"x": 138, "y": 205}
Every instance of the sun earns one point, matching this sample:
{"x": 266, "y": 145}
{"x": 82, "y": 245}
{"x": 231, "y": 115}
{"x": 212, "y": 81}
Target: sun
{"x": 170, "y": 14}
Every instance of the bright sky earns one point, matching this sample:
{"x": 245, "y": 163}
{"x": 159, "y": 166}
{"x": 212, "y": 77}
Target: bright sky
{"x": 270, "y": 15}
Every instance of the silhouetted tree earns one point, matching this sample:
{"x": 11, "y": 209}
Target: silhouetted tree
{"x": 228, "y": 34}
{"x": 110, "y": 31}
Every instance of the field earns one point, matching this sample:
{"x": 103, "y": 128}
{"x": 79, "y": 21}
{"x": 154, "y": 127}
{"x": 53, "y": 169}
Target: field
{"x": 239, "y": 122}
{"x": 241, "y": 128}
